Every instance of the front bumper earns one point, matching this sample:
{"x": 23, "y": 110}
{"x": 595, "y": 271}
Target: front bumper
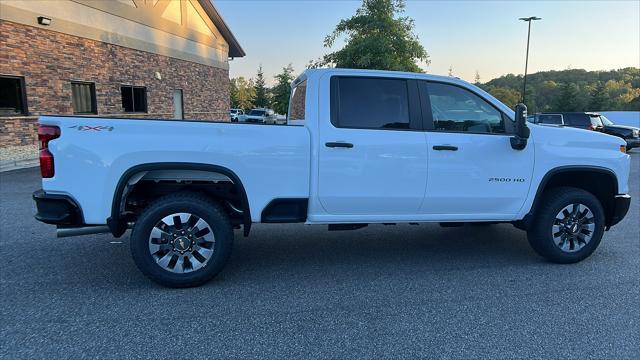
{"x": 620, "y": 208}
{"x": 632, "y": 143}
{"x": 57, "y": 209}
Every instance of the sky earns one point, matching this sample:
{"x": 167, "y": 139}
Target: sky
{"x": 468, "y": 36}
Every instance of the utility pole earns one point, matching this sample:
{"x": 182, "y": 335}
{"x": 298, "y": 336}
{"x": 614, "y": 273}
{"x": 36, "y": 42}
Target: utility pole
{"x": 526, "y": 61}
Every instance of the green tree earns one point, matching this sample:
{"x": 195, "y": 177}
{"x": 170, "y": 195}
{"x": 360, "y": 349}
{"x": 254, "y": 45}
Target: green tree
{"x": 377, "y": 37}
{"x": 599, "y": 97}
{"x": 233, "y": 94}
{"x": 544, "y": 90}
{"x": 282, "y": 90}
{"x": 568, "y": 99}
{"x": 507, "y": 96}
{"x": 633, "y": 105}
{"x": 242, "y": 93}
{"x": 476, "y": 79}
{"x": 261, "y": 99}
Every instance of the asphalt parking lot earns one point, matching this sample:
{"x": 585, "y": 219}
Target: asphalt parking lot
{"x": 297, "y": 291}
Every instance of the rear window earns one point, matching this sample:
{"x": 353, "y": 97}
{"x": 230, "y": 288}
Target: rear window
{"x": 257, "y": 112}
{"x": 297, "y": 103}
{"x": 555, "y": 119}
{"x": 369, "y": 103}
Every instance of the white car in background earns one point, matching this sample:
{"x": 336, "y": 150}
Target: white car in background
{"x": 235, "y": 113}
{"x": 259, "y": 115}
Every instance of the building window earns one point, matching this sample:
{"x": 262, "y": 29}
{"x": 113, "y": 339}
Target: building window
{"x": 84, "y": 97}
{"x": 13, "y": 99}
{"x": 134, "y": 98}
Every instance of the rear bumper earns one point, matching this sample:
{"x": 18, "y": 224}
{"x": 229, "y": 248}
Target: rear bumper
{"x": 57, "y": 209}
{"x": 620, "y": 208}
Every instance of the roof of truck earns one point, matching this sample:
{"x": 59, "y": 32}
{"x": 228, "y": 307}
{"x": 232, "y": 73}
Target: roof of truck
{"x": 383, "y": 72}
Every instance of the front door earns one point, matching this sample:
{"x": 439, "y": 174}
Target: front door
{"x": 372, "y": 154}
{"x": 473, "y": 171}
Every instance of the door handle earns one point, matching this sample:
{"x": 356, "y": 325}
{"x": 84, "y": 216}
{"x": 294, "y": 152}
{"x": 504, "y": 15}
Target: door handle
{"x": 338, "y": 144}
{"x": 445, "y": 147}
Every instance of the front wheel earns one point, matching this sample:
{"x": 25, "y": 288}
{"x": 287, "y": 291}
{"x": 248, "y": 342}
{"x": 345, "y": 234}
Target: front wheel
{"x": 568, "y": 225}
{"x": 182, "y": 240}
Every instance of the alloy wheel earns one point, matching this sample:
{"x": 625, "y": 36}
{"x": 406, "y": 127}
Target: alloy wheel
{"x": 181, "y": 243}
{"x": 573, "y": 227}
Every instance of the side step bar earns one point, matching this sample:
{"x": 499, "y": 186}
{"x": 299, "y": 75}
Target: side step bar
{"x": 86, "y": 230}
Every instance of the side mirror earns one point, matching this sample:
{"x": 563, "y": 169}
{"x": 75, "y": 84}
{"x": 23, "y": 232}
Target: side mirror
{"x": 519, "y": 140}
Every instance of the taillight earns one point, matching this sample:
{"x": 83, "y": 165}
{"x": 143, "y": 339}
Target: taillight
{"x": 47, "y": 133}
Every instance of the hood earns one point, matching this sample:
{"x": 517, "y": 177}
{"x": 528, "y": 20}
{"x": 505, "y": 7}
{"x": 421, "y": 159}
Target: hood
{"x": 616, "y": 126}
{"x": 565, "y": 136}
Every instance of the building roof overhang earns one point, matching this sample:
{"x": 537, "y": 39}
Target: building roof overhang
{"x": 235, "y": 50}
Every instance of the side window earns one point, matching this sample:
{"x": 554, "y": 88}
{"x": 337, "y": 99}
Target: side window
{"x": 369, "y": 103}
{"x": 555, "y": 119}
{"x": 297, "y": 102}
{"x": 595, "y": 121}
{"x": 578, "y": 120}
{"x": 456, "y": 109}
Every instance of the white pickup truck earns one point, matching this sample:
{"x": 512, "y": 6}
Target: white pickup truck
{"x": 360, "y": 147}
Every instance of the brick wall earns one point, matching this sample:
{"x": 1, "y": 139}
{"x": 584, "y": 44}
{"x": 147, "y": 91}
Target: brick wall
{"x": 18, "y": 131}
{"x": 49, "y": 61}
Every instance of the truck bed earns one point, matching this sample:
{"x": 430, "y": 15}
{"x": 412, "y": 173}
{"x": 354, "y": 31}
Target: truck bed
{"x": 92, "y": 154}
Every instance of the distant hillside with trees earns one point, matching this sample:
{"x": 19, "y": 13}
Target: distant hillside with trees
{"x": 571, "y": 90}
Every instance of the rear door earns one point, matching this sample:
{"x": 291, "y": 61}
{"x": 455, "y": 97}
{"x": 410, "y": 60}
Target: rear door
{"x": 372, "y": 152}
{"x": 473, "y": 171}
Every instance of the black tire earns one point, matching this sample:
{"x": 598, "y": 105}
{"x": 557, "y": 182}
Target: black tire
{"x": 199, "y": 205}
{"x": 540, "y": 234}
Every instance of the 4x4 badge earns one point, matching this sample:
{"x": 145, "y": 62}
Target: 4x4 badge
{"x": 91, "y": 128}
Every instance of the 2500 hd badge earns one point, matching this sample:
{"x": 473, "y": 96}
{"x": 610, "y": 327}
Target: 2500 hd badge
{"x": 515, "y": 180}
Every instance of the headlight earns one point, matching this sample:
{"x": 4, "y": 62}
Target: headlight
{"x": 636, "y": 133}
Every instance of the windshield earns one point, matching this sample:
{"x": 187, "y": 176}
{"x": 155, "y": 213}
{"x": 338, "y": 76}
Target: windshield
{"x": 606, "y": 121}
{"x": 257, "y": 112}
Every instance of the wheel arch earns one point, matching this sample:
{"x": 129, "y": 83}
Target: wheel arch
{"x": 600, "y": 181}
{"x": 118, "y": 224}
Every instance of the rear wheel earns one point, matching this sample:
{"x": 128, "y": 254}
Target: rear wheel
{"x": 568, "y": 225}
{"x": 182, "y": 240}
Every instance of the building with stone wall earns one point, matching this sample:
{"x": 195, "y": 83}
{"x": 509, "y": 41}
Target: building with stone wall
{"x": 111, "y": 58}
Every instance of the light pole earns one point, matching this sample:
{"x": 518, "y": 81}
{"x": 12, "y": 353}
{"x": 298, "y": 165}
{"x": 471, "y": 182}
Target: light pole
{"x": 526, "y": 61}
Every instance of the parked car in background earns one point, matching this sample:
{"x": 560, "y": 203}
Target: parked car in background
{"x": 234, "y": 113}
{"x": 629, "y": 134}
{"x": 591, "y": 121}
{"x": 259, "y": 115}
